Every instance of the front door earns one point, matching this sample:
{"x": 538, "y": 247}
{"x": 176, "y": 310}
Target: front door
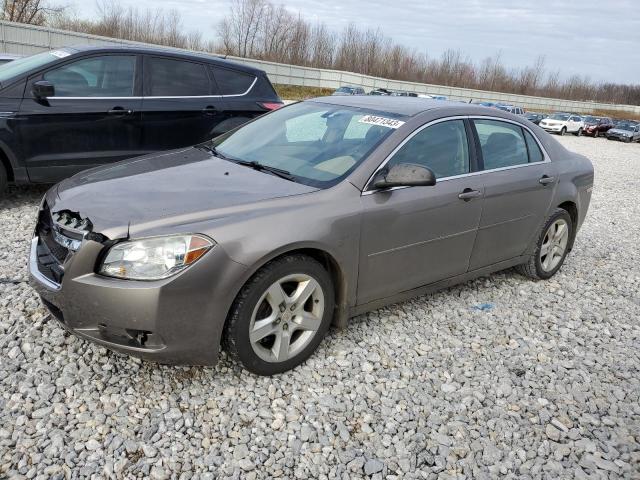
{"x": 518, "y": 183}
{"x": 93, "y": 118}
{"x": 179, "y": 108}
{"x": 419, "y": 235}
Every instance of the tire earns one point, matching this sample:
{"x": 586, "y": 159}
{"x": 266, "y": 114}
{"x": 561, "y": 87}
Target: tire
{"x": 578, "y": 133}
{"x": 3, "y": 180}
{"x": 542, "y": 267}
{"x": 261, "y": 301}
{"x": 596, "y": 133}
{"x": 563, "y": 131}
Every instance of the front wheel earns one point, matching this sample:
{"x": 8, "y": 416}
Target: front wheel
{"x": 552, "y": 247}
{"x": 280, "y": 316}
{"x": 563, "y": 131}
{"x": 3, "y": 180}
{"x": 596, "y": 133}
{"x": 579, "y": 133}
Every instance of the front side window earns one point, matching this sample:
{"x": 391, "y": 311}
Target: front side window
{"x": 167, "y": 77}
{"x": 105, "y": 76}
{"x": 442, "y": 147}
{"x": 502, "y": 144}
{"x": 318, "y": 144}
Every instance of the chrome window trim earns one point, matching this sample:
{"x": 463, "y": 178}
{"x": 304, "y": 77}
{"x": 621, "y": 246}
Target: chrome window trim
{"x": 547, "y": 159}
{"x": 255, "y": 79}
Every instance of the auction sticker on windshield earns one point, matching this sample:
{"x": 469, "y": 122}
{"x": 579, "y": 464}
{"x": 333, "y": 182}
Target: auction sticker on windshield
{"x": 60, "y": 53}
{"x": 381, "y": 121}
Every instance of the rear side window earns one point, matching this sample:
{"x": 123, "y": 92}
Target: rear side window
{"x": 166, "y": 77}
{"x": 232, "y": 82}
{"x": 442, "y": 147}
{"x": 105, "y": 76}
{"x": 502, "y": 144}
{"x": 535, "y": 154}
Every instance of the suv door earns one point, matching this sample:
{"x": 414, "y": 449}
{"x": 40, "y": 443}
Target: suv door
{"x": 179, "y": 107}
{"x": 419, "y": 235}
{"x": 92, "y": 119}
{"x": 518, "y": 181}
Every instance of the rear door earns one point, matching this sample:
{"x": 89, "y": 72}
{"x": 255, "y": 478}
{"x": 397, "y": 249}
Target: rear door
{"x": 94, "y": 117}
{"x": 518, "y": 182}
{"x": 180, "y": 105}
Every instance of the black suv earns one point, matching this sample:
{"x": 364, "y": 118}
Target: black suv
{"x": 70, "y": 109}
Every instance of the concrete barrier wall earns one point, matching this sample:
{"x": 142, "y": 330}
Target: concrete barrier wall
{"x": 28, "y": 39}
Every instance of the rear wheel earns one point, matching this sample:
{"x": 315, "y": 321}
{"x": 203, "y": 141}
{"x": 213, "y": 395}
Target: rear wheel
{"x": 280, "y": 316}
{"x": 552, "y": 247}
{"x": 3, "y": 180}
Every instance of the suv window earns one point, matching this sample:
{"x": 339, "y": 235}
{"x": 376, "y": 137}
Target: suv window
{"x": 232, "y": 82}
{"x": 167, "y": 77}
{"x": 442, "y": 147}
{"x": 106, "y": 76}
{"x": 502, "y": 144}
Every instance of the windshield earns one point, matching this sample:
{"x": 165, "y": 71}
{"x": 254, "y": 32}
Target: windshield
{"x": 626, "y": 126}
{"x": 318, "y": 144}
{"x": 590, "y": 119}
{"x": 345, "y": 90}
{"x": 560, "y": 116}
{"x": 23, "y": 65}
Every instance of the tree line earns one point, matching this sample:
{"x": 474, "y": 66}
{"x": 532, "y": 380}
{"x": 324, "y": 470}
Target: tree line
{"x": 263, "y": 30}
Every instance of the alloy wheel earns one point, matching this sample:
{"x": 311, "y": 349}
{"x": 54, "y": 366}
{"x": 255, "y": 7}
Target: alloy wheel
{"x": 554, "y": 245}
{"x": 286, "y": 317}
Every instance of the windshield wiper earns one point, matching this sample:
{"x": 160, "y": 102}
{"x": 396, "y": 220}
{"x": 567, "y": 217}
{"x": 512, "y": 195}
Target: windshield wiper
{"x": 278, "y": 172}
{"x": 211, "y": 148}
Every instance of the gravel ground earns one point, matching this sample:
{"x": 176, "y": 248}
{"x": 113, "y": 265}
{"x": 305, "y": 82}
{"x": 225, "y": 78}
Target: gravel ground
{"x": 499, "y": 377}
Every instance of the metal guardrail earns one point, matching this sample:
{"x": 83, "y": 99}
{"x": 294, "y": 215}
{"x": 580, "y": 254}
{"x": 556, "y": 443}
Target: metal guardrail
{"x": 24, "y": 39}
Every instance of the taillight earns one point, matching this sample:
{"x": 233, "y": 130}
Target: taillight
{"x": 271, "y": 105}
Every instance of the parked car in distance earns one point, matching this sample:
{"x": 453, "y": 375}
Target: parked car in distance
{"x": 485, "y": 104}
{"x": 625, "y": 131}
{"x": 347, "y": 90}
{"x": 562, "y": 123}
{"x": 596, "y": 126}
{"x": 380, "y": 92}
{"x": 511, "y": 109}
{"x": 8, "y": 57}
{"x": 264, "y": 236}
{"x": 75, "y": 108}
{"x": 399, "y": 93}
{"x": 534, "y": 117}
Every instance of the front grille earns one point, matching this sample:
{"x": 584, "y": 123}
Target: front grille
{"x": 51, "y": 255}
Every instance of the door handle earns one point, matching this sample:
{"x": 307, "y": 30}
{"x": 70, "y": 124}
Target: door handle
{"x": 209, "y": 110}
{"x": 546, "y": 180}
{"x": 469, "y": 194}
{"x": 120, "y": 111}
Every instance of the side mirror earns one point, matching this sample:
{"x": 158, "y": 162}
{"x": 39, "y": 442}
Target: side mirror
{"x": 43, "y": 89}
{"x": 404, "y": 175}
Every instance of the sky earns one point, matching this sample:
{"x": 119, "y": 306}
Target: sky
{"x": 596, "y": 38}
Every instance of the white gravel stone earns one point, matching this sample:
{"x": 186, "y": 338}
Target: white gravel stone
{"x": 543, "y": 385}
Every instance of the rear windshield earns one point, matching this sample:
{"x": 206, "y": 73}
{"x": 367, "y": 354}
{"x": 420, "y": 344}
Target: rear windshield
{"x": 23, "y": 65}
{"x": 318, "y": 144}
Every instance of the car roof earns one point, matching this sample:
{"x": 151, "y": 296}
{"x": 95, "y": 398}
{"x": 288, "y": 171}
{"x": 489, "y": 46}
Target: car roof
{"x": 407, "y": 106}
{"x": 174, "y": 52}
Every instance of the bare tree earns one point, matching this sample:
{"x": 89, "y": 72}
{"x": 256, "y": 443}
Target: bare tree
{"x": 34, "y": 12}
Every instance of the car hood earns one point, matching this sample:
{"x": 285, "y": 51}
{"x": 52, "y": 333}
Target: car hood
{"x": 172, "y": 186}
{"x": 620, "y": 131}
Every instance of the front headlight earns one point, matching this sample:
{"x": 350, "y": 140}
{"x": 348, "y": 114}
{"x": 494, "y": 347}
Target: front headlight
{"x": 154, "y": 258}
